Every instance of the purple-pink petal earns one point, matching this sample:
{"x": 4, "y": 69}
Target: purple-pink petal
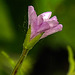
{"x": 30, "y": 11}
{"x": 43, "y": 27}
{"x": 31, "y": 15}
{"x": 39, "y": 20}
{"x": 53, "y": 18}
{"x": 46, "y": 15}
{"x": 32, "y": 19}
{"x": 52, "y": 23}
{"x": 52, "y": 30}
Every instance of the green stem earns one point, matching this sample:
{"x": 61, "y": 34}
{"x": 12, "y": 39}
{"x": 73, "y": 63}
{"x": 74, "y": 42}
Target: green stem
{"x": 24, "y": 53}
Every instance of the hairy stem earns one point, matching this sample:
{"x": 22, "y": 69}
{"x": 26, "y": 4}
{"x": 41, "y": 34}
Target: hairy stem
{"x": 24, "y": 53}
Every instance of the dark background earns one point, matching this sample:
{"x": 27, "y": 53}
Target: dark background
{"x": 49, "y": 56}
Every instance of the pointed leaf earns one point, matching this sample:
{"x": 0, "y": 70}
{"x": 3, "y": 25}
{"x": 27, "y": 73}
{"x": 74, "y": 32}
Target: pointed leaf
{"x": 11, "y": 62}
{"x": 27, "y": 39}
{"x": 33, "y": 41}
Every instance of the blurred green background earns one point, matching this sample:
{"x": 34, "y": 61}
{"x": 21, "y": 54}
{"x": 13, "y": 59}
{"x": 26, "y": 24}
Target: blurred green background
{"x": 49, "y": 56}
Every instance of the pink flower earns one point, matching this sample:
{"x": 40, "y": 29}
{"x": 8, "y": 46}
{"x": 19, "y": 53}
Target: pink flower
{"x": 42, "y": 23}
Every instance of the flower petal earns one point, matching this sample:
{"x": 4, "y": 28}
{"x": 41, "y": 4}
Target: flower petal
{"x": 31, "y": 15}
{"x": 39, "y": 20}
{"x": 32, "y": 19}
{"x": 53, "y": 18}
{"x": 53, "y": 23}
{"x": 53, "y": 30}
{"x": 46, "y": 15}
{"x": 30, "y": 11}
{"x": 44, "y": 26}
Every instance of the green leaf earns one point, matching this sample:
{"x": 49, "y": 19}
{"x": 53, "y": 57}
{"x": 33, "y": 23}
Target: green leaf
{"x": 27, "y": 39}
{"x": 30, "y": 43}
{"x": 72, "y": 73}
{"x": 33, "y": 41}
{"x": 71, "y": 60}
{"x": 11, "y": 62}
